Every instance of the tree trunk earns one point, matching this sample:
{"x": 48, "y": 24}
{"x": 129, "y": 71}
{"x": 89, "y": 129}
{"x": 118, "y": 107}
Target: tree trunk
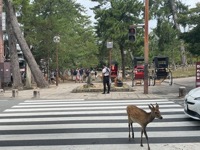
{"x": 36, "y": 72}
{"x": 174, "y": 13}
{"x": 28, "y": 77}
{"x": 175, "y": 18}
{"x": 16, "y": 75}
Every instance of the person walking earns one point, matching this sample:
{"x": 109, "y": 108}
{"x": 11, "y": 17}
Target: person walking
{"x": 81, "y": 75}
{"x": 77, "y": 75}
{"x": 106, "y": 79}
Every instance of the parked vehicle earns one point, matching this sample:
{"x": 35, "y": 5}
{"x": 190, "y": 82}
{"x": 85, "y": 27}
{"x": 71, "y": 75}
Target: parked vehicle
{"x": 138, "y": 71}
{"x": 113, "y": 70}
{"x": 192, "y": 104}
{"x": 160, "y": 71}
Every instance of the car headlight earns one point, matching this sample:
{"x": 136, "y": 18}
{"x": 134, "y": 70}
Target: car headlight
{"x": 197, "y": 98}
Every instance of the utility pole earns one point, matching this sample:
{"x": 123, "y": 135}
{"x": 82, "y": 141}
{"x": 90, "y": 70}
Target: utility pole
{"x": 1, "y": 42}
{"x": 146, "y": 47}
{"x": 1, "y": 34}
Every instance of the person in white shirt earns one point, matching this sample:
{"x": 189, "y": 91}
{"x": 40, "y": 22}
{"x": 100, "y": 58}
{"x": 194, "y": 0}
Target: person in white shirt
{"x": 106, "y": 79}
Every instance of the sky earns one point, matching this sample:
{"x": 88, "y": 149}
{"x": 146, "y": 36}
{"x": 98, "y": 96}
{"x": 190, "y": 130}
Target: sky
{"x": 88, "y": 4}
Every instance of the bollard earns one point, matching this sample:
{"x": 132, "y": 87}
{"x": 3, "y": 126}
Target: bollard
{"x": 14, "y": 92}
{"x": 182, "y": 91}
{"x": 2, "y": 91}
{"x": 36, "y": 94}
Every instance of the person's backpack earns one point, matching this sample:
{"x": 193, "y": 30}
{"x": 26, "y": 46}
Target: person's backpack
{"x": 75, "y": 73}
{"x": 81, "y": 71}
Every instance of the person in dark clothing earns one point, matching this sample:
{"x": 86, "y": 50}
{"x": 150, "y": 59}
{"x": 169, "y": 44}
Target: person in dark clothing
{"x": 106, "y": 79}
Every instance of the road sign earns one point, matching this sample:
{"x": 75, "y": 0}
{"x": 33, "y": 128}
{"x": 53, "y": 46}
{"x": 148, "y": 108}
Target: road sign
{"x": 109, "y": 45}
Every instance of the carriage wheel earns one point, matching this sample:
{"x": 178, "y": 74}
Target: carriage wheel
{"x": 151, "y": 80}
{"x": 154, "y": 80}
{"x": 133, "y": 82}
{"x": 170, "y": 78}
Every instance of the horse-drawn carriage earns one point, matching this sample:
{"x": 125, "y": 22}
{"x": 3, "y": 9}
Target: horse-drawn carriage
{"x": 138, "y": 71}
{"x": 160, "y": 71}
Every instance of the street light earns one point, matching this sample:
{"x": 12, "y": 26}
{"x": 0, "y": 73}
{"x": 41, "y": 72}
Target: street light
{"x": 56, "y": 39}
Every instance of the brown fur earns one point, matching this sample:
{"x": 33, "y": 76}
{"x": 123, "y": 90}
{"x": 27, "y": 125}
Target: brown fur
{"x": 141, "y": 117}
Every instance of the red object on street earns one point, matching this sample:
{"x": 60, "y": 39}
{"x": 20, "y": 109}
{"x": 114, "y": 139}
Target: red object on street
{"x": 139, "y": 72}
{"x": 114, "y": 71}
{"x": 198, "y": 74}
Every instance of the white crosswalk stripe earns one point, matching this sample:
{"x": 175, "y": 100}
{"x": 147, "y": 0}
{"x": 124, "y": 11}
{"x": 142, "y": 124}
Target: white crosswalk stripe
{"x": 81, "y": 125}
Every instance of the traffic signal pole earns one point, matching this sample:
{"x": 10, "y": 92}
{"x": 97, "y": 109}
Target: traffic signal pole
{"x": 1, "y": 38}
{"x": 1, "y": 34}
{"x": 146, "y": 47}
{"x": 132, "y": 33}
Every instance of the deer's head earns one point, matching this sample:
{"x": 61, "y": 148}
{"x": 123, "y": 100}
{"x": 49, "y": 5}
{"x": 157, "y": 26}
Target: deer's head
{"x": 155, "y": 111}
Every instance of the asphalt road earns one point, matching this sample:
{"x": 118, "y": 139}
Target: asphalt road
{"x": 99, "y": 124}
{"x": 164, "y": 88}
{"x": 93, "y": 125}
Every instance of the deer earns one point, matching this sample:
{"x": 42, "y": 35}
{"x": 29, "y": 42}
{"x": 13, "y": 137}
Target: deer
{"x": 140, "y": 116}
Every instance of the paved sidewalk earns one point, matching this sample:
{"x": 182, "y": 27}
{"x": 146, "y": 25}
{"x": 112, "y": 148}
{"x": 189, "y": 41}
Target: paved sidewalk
{"x": 63, "y": 91}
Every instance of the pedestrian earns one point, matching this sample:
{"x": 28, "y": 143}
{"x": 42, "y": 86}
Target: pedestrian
{"x": 77, "y": 75}
{"x": 87, "y": 73}
{"x": 106, "y": 79}
{"x": 52, "y": 76}
{"x": 95, "y": 74}
{"x": 74, "y": 72}
{"x": 81, "y": 75}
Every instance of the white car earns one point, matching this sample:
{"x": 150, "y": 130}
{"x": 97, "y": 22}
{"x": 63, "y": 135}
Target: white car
{"x": 192, "y": 104}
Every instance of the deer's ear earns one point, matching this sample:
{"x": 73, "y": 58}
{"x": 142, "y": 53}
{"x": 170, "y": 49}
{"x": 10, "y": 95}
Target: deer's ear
{"x": 150, "y": 107}
{"x": 157, "y": 105}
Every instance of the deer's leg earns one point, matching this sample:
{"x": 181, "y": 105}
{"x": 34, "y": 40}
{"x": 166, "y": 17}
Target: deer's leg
{"x": 145, "y": 133}
{"x": 132, "y": 130}
{"x": 129, "y": 136}
{"x": 141, "y": 144}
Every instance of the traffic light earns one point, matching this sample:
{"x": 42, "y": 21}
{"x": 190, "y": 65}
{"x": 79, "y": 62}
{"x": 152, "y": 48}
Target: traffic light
{"x": 131, "y": 34}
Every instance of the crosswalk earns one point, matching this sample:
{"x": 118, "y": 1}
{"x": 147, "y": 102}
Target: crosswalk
{"x": 92, "y": 125}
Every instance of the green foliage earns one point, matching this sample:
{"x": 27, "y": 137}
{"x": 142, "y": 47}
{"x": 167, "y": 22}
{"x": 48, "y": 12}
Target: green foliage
{"x": 113, "y": 20}
{"x": 192, "y": 37}
{"x": 44, "y": 19}
{"x": 80, "y": 47}
{"x": 164, "y": 39}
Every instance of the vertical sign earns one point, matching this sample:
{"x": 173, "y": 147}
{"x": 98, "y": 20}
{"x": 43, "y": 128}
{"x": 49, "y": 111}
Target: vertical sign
{"x": 198, "y": 74}
{"x": 110, "y": 46}
{"x": 3, "y": 21}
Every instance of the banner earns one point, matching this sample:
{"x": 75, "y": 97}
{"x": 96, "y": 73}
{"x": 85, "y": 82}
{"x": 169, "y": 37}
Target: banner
{"x": 198, "y": 74}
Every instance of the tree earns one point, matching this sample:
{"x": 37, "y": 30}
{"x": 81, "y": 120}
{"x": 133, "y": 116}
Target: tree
{"x": 37, "y": 74}
{"x": 169, "y": 14}
{"x": 191, "y": 37}
{"x": 49, "y": 18}
{"x": 177, "y": 27}
{"x": 16, "y": 75}
{"x": 113, "y": 20}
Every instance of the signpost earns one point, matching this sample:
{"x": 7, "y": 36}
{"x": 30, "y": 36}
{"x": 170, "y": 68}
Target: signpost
{"x": 110, "y": 46}
{"x": 198, "y": 74}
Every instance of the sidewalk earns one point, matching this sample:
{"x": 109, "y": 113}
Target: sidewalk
{"x": 63, "y": 91}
